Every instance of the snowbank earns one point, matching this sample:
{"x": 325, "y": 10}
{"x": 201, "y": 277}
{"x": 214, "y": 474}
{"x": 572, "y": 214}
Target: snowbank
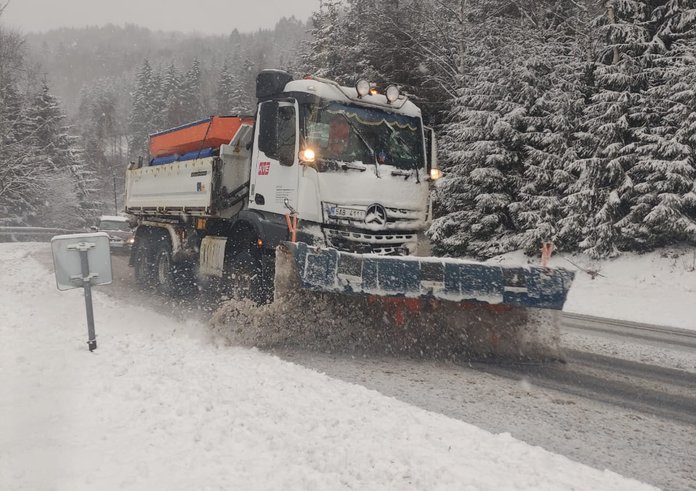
{"x": 160, "y": 406}
{"x": 655, "y": 288}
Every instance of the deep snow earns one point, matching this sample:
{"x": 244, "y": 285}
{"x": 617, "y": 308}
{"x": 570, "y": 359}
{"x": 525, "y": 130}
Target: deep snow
{"x": 161, "y": 405}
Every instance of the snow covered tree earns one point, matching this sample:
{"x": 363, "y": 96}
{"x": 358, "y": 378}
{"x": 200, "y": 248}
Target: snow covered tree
{"x": 601, "y": 193}
{"x": 44, "y": 124}
{"x": 510, "y": 132}
{"x": 633, "y": 179}
{"x": 662, "y": 209}
{"x": 172, "y": 112}
{"x": 85, "y": 183}
{"x": 550, "y": 125}
{"x": 229, "y": 95}
{"x": 191, "y": 105}
{"x": 70, "y": 195}
{"x": 482, "y": 147}
{"x": 142, "y": 111}
{"x": 40, "y": 174}
{"x": 103, "y": 159}
{"x": 322, "y": 55}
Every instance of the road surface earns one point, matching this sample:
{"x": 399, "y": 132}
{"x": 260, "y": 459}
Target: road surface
{"x": 607, "y": 411}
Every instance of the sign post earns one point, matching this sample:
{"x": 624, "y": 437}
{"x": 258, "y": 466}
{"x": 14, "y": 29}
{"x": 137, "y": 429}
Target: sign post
{"x": 86, "y": 278}
{"x": 91, "y": 266}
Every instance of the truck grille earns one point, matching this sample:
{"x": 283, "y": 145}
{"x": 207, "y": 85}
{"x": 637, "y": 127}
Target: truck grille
{"x": 396, "y": 220}
{"x": 383, "y": 243}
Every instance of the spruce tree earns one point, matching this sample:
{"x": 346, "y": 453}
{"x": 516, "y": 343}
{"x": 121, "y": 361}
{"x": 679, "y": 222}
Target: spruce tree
{"x": 602, "y": 190}
{"x": 482, "y": 147}
{"x": 172, "y": 98}
{"x": 141, "y": 112}
{"x": 191, "y": 106}
{"x": 43, "y": 127}
{"x": 229, "y": 96}
{"x": 663, "y": 176}
{"x": 322, "y": 55}
{"x": 550, "y": 126}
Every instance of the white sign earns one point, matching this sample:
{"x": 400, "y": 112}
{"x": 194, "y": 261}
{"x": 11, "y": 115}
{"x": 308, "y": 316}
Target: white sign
{"x": 67, "y": 260}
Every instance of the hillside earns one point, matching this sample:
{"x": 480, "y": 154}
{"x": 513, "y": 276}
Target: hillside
{"x": 74, "y": 60}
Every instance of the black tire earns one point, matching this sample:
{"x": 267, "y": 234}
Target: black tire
{"x": 245, "y": 277}
{"x": 142, "y": 266}
{"x": 185, "y": 278}
{"x": 164, "y": 269}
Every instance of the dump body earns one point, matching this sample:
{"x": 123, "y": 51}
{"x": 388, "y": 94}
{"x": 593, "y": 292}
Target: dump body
{"x": 179, "y": 186}
{"x": 211, "y": 185}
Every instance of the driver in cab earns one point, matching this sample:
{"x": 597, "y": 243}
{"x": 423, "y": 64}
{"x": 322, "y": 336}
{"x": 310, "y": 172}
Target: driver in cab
{"x": 339, "y": 137}
{"x": 341, "y": 145}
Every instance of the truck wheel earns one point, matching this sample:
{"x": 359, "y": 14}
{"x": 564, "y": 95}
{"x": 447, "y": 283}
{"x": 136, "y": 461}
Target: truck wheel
{"x": 141, "y": 266}
{"x": 245, "y": 278}
{"x": 164, "y": 274}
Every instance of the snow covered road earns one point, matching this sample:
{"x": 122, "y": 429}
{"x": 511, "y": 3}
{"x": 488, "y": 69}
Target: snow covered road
{"x": 602, "y": 436}
{"x": 160, "y": 404}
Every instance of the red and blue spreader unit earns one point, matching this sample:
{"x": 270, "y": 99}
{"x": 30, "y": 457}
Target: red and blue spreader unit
{"x": 194, "y": 140}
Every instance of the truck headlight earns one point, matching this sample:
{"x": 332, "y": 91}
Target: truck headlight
{"x": 435, "y": 174}
{"x": 308, "y": 155}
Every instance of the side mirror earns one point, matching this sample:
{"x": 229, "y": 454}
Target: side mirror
{"x": 268, "y": 134}
{"x": 277, "y": 132}
{"x": 430, "y": 148}
{"x": 434, "y": 172}
{"x": 94, "y": 228}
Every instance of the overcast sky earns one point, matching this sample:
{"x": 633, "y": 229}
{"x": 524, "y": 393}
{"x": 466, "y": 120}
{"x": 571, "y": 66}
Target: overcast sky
{"x": 214, "y": 16}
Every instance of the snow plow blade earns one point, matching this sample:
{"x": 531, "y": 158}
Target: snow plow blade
{"x": 454, "y": 280}
{"x": 433, "y": 307}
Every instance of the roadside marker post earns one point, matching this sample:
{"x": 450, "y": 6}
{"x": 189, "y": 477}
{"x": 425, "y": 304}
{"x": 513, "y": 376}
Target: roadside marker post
{"x": 83, "y": 260}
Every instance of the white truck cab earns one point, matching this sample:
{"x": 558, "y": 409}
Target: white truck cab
{"x": 352, "y": 167}
{"x": 331, "y": 166}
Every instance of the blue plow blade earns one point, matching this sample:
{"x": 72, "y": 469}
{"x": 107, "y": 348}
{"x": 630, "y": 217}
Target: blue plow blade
{"x": 456, "y": 280}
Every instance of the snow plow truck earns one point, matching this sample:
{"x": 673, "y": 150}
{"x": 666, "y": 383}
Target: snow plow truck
{"x": 326, "y": 193}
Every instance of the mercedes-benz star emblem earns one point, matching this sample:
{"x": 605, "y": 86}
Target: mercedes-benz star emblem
{"x": 376, "y": 214}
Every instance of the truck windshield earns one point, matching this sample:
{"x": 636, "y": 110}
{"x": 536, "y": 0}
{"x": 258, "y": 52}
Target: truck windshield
{"x": 343, "y": 133}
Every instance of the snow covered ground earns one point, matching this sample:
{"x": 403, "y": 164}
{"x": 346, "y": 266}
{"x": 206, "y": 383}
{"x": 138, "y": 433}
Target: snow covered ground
{"x": 655, "y": 288}
{"x": 161, "y": 405}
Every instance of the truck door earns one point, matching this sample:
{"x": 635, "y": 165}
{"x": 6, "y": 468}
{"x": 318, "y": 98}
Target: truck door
{"x": 275, "y": 167}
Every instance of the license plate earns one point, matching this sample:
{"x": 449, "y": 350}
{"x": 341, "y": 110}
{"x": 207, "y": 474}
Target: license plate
{"x": 352, "y": 213}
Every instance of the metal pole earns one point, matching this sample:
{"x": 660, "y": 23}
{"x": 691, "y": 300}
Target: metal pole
{"x": 87, "y": 285}
{"x": 113, "y": 178}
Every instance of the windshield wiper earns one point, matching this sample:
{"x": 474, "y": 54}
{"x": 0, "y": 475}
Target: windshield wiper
{"x": 351, "y": 166}
{"x": 362, "y": 139}
{"x": 346, "y": 165}
{"x": 404, "y": 173}
{"x": 405, "y": 145}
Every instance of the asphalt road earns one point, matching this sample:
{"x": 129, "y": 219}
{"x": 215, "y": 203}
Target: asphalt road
{"x": 647, "y": 389}
{"x": 672, "y": 338}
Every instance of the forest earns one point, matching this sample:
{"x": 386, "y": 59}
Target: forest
{"x": 570, "y": 121}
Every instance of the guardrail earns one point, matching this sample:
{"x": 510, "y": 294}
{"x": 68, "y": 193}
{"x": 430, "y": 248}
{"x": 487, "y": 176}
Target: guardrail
{"x": 33, "y": 234}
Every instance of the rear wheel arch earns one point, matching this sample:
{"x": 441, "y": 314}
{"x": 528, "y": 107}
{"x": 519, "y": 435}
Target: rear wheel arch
{"x": 244, "y": 265}
{"x": 242, "y": 238}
